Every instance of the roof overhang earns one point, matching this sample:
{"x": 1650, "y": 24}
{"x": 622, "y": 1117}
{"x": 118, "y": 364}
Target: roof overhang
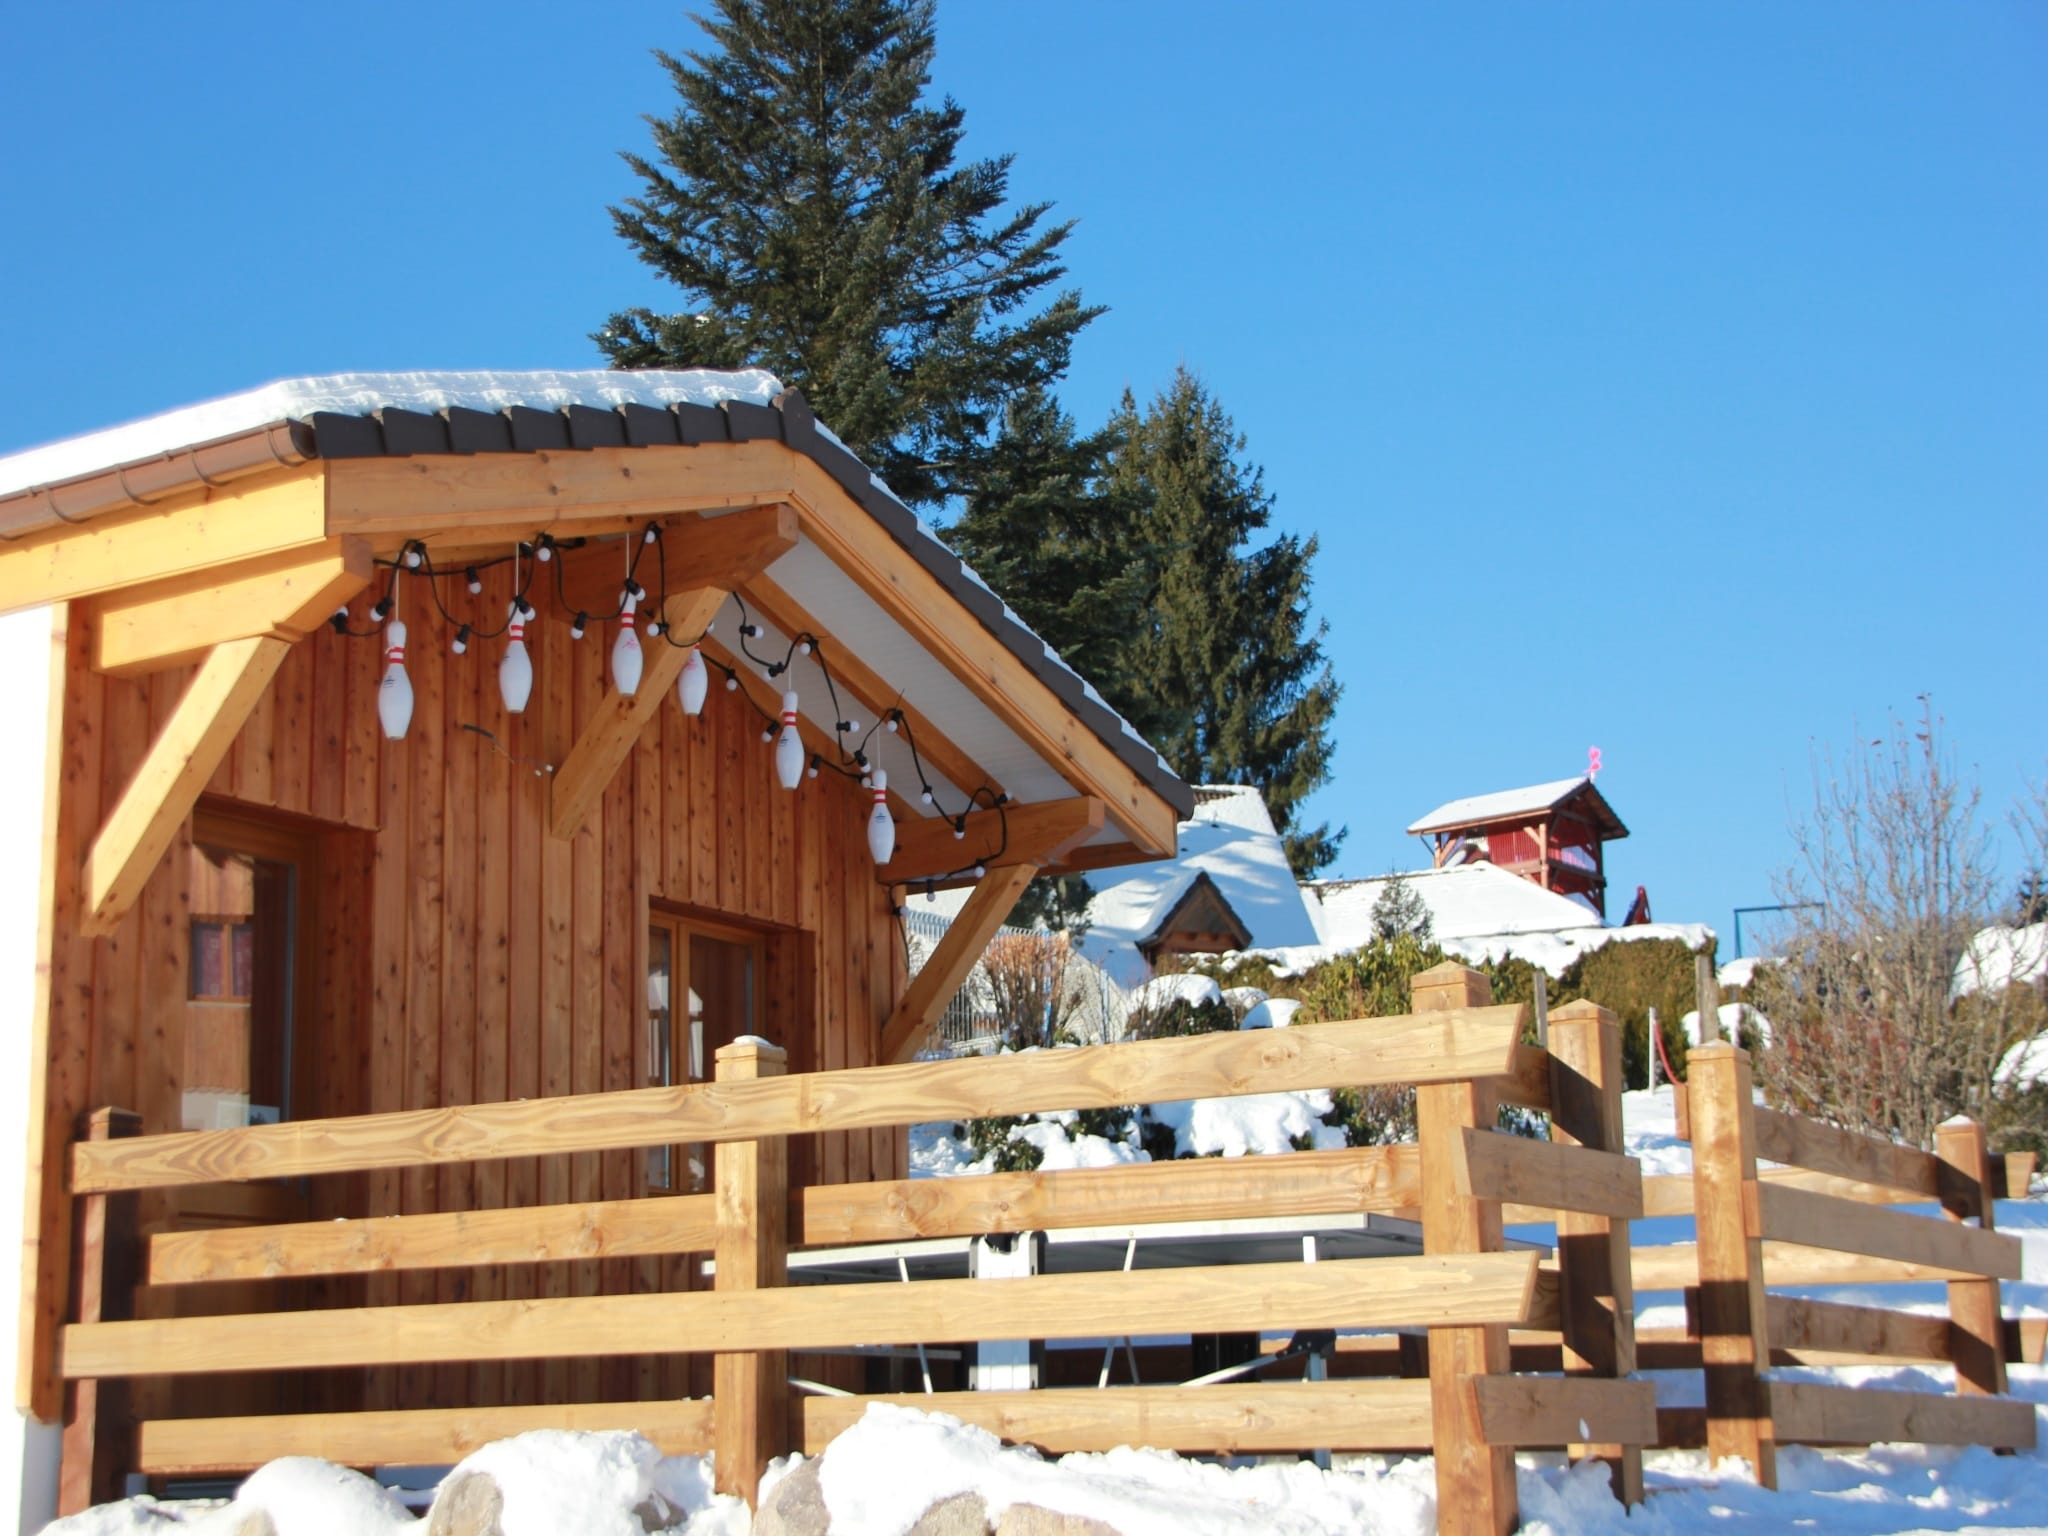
{"x": 263, "y": 532}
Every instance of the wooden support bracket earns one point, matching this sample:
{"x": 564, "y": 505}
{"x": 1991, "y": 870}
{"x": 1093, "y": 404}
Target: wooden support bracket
{"x": 722, "y": 554}
{"x": 933, "y": 986}
{"x": 579, "y": 784}
{"x": 179, "y": 763}
{"x": 285, "y": 596}
{"x": 1038, "y": 834}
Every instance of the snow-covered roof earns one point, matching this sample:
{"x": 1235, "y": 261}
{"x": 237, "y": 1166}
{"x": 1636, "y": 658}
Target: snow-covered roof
{"x": 364, "y": 394}
{"x": 1465, "y": 901}
{"x": 358, "y": 415}
{"x": 1501, "y": 804}
{"x": 1999, "y": 956}
{"x": 1231, "y": 839}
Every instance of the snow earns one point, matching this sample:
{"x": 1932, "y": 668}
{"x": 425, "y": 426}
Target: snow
{"x": 1274, "y": 1013}
{"x": 1466, "y": 901}
{"x": 1999, "y": 956}
{"x": 1739, "y": 973}
{"x": 553, "y": 1482}
{"x": 1503, "y": 802}
{"x": 1254, "y": 1124}
{"x": 2025, "y": 1064}
{"x": 1737, "y": 1019}
{"x": 880, "y": 1475}
{"x": 1164, "y": 991}
{"x": 359, "y": 394}
{"x": 1231, "y": 839}
{"x": 1554, "y": 952}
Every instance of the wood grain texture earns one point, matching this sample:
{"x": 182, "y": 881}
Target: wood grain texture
{"x": 1363, "y": 1293}
{"x": 1535, "y": 1412}
{"x": 1977, "y": 1329}
{"x": 1783, "y": 1138}
{"x": 1550, "y": 1175}
{"x": 415, "y": 1437}
{"x": 1440, "y": 1047}
{"x": 286, "y": 596}
{"x": 1811, "y": 1413}
{"x": 1037, "y": 834}
{"x": 229, "y": 683}
{"x": 1201, "y": 1189}
{"x": 1838, "y": 1328}
{"x": 750, "y": 1412}
{"x": 1802, "y": 1218}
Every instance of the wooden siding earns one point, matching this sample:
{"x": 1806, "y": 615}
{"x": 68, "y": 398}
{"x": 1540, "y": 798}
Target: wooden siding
{"x": 463, "y": 954}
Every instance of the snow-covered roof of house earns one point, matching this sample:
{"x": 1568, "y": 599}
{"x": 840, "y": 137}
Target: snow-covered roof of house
{"x": 1530, "y": 800}
{"x": 1465, "y": 901}
{"x": 379, "y": 415}
{"x": 1231, "y": 839}
{"x": 1999, "y": 956}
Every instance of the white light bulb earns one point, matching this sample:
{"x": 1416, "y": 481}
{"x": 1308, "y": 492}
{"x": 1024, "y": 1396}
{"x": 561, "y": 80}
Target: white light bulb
{"x": 476, "y": 583}
{"x": 515, "y": 668}
{"x": 732, "y": 684}
{"x": 626, "y": 658}
{"x": 412, "y": 559}
{"x": 881, "y": 826}
{"x": 394, "y": 694}
{"x": 789, "y": 746}
{"x": 691, "y": 686}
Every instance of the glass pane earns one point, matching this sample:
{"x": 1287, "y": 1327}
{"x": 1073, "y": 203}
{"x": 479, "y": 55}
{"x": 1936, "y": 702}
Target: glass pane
{"x": 238, "y": 1031}
{"x": 660, "y": 1044}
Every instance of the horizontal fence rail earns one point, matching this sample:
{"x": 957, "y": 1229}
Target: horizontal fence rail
{"x": 1499, "y": 1288}
{"x": 1445, "y": 1046}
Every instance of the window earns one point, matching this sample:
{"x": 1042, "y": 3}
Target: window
{"x": 246, "y": 948}
{"x": 703, "y": 991}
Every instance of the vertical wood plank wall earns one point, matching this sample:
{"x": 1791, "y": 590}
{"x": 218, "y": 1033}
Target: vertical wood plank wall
{"x": 464, "y": 955}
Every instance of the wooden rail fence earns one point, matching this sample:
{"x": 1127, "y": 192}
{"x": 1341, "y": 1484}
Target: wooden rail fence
{"x": 1494, "y": 1348}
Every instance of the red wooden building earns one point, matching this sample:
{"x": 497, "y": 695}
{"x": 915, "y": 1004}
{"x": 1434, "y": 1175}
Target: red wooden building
{"x": 1551, "y": 833}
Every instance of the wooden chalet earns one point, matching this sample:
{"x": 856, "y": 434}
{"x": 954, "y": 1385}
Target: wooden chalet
{"x": 255, "y": 908}
{"x": 1553, "y": 834}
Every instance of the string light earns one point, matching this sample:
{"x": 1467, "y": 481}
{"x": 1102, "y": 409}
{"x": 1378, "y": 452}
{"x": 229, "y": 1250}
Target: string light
{"x": 793, "y": 763}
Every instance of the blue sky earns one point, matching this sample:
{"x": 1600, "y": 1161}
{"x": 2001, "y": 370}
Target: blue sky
{"x": 1672, "y": 378}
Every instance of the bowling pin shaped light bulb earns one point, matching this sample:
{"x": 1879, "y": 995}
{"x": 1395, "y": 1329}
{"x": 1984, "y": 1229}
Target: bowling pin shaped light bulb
{"x": 881, "y": 826}
{"x": 789, "y": 747}
{"x": 515, "y": 670}
{"x": 694, "y": 684}
{"x": 394, "y": 694}
{"x": 626, "y": 657}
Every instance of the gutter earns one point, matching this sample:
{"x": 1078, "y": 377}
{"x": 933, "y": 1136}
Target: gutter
{"x": 141, "y": 484}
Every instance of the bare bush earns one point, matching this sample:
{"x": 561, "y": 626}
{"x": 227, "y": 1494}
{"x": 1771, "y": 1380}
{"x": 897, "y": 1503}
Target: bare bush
{"x": 1028, "y": 978}
{"x": 1869, "y": 1030}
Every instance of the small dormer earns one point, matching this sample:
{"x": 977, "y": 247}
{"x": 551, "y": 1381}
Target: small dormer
{"x": 1552, "y": 834}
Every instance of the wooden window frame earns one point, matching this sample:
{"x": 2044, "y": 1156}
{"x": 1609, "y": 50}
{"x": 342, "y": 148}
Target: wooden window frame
{"x": 681, "y": 924}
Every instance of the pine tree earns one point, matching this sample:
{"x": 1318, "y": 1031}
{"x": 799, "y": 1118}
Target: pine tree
{"x": 1400, "y": 910}
{"x": 1224, "y": 673}
{"x": 804, "y": 197}
{"x": 1040, "y": 528}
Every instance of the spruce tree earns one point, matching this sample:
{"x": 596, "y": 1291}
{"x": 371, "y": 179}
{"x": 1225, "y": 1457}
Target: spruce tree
{"x": 1224, "y": 672}
{"x": 1040, "y": 527}
{"x": 804, "y": 197}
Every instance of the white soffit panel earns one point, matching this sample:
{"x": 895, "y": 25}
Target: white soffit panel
{"x": 839, "y": 606}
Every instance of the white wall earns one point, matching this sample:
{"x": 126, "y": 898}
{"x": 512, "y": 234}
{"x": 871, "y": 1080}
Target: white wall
{"x": 28, "y": 1450}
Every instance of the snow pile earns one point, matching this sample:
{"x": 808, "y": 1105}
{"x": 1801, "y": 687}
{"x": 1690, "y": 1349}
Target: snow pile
{"x": 1062, "y": 1147}
{"x": 1999, "y": 956}
{"x": 1273, "y": 1013}
{"x": 1252, "y": 1125}
{"x": 552, "y": 1482}
{"x": 360, "y": 394}
{"x": 1739, "y": 1021}
{"x": 1649, "y": 1130}
{"x": 1164, "y": 991}
{"x": 885, "y": 1471}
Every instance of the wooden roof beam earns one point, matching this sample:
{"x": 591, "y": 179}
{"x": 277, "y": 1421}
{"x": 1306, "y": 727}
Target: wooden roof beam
{"x": 286, "y": 596}
{"x": 1038, "y": 834}
{"x": 187, "y": 534}
{"x": 709, "y": 551}
{"x": 180, "y": 761}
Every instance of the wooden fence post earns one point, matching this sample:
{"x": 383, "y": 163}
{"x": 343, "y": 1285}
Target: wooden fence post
{"x": 1599, "y": 1302}
{"x": 1475, "y": 1482}
{"x": 750, "y": 1391}
{"x": 98, "y": 1424}
{"x": 1976, "y": 1327}
{"x": 1734, "y": 1346}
